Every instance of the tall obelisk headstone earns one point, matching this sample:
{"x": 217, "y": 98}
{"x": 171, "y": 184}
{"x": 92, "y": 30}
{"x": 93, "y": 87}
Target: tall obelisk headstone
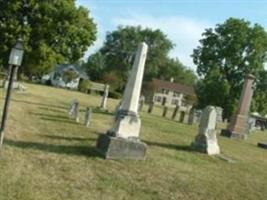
{"x": 122, "y": 140}
{"x": 237, "y": 127}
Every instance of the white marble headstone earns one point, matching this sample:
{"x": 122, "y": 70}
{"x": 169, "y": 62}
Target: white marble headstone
{"x": 206, "y": 139}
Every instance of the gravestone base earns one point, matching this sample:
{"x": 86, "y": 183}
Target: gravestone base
{"x": 120, "y": 148}
{"x": 206, "y": 143}
{"x": 262, "y": 145}
{"x": 233, "y": 135}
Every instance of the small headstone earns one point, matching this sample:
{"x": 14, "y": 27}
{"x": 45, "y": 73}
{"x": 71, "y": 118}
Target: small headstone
{"x": 186, "y": 117}
{"x": 118, "y": 107}
{"x": 88, "y": 116}
{"x": 150, "y": 107}
{"x": 104, "y": 99}
{"x": 198, "y": 114}
{"x": 262, "y": 145}
{"x": 251, "y": 124}
{"x": 165, "y": 110}
{"x": 219, "y": 112}
{"x": 141, "y": 103}
{"x": 74, "y": 110}
{"x": 206, "y": 140}
{"x": 192, "y": 116}
{"x": 175, "y": 111}
{"x": 164, "y": 101}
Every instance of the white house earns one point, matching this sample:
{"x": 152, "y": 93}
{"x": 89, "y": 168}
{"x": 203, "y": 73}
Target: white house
{"x": 65, "y": 76}
{"x": 172, "y": 94}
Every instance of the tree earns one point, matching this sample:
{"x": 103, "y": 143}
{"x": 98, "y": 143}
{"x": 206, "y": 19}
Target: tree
{"x": 117, "y": 55}
{"x": 260, "y": 94}
{"x": 53, "y": 32}
{"x": 95, "y": 66}
{"x": 120, "y": 47}
{"x": 226, "y": 54}
{"x": 174, "y": 69}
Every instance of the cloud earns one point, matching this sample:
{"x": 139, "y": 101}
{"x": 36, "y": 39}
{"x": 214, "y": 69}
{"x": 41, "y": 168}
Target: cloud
{"x": 184, "y": 32}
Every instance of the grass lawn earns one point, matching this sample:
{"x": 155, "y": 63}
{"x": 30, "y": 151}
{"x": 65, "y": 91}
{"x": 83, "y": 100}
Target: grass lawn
{"x": 48, "y": 156}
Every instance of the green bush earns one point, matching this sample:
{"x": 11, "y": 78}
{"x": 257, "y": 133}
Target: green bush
{"x": 84, "y": 85}
{"x": 115, "y": 95}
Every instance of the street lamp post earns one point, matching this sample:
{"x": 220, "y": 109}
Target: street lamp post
{"x": 15, "y": 60}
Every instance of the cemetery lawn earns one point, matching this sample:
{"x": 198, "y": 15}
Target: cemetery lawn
{"x": 47, "y": 156}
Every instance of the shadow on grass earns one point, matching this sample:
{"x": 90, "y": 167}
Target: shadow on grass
{"x": 68, "y": 138}
{"x": 100, "y": 111}
{"x": 52, "y": 109}
{"x": 171, "y": 146}
{"x": 54, "y": 118}
{"x": 50, "y": 116}
{"x": 145, "y": 115}
{"x": 68, "y": 121}
{"x": 40, "y": 104}
{"x": 54, "y": 148}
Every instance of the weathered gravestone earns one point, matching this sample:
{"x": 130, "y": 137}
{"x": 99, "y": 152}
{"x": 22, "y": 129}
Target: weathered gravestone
{"x": 117, "y": 108}
{"x": 74, "y": 110}
{"x": 186, "y": 116}
{"x": 206, "y": 140}
{"x": 219, "y": 111}
{"x": 262, "y": 145}
{"x": 122, "y": 140}
{"x": 175, "y": 112}
{"x": 150, "y": 107}
{"x": 251, "y": 124}
{"x": 165, "y": 110}
{"x": 88, "y": 116}
{"x": 238, "y": 127}
{"x": 192, "y": 116}
{"x": 141, "y": 103}
{"x": 198, "y": 114}
{"x": 104, "y": 99}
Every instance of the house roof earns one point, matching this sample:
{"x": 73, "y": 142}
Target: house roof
{"x": 177, "y": 87}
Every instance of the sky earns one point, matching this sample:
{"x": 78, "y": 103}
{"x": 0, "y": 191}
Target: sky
{"x": 183, "y": 21}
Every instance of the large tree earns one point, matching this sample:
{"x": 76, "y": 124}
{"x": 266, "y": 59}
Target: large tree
{"x": 117, "y": 56}
{"x": 225, "y": 55}
{"x": 120, "y": 47}
{"x": 53, "y": 32}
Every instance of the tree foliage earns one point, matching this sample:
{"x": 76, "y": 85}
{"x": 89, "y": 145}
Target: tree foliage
{"x": 260, "y": 94}
{"x": 225, "y": 55}
{"x": 53, "y": 32}
{"x": 116, "y": 57}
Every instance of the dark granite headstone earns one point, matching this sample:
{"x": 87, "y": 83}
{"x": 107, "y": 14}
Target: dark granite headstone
{"x": 262, "y": 145}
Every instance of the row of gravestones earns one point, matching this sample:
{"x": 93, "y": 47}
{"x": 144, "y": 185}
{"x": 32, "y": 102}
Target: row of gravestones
{"x": 74, "y": 108}
{"x": 74, "y": 113}
{"x": 184, "y": 116}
